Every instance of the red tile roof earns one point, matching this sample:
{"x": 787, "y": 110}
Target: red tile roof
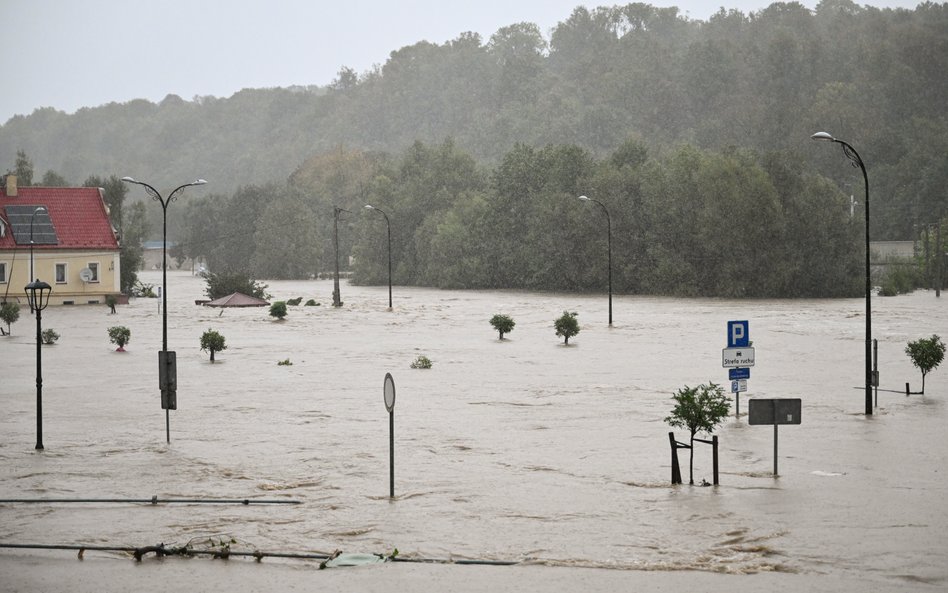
{"x": 78, "y": 214}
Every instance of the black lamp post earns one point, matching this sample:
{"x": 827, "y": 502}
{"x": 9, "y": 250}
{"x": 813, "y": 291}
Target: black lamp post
{"x": 33, "y": 218}
{"x": 609, "y": 229}
{"x": 37, "y": 294}
{"x": 164, "y": 359}
{"x": 853, "y": 156}
{"x": 388, "y": 225}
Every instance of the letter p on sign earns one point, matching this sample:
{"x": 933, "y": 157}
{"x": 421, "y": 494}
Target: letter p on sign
{"x": 738, "y": 335}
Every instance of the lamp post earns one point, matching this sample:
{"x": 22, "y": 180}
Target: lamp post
{"x": 166, "y": 369}
{"x": 853, "y": 156}
{"x": 37, "y": 294}
{"x": 609, "y": 235}
{"x": 388, "y": 225}
{"x": 33, "y": 218}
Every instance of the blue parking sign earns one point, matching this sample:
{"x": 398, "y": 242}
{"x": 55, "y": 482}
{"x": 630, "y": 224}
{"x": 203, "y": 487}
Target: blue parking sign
{"x": 738, "y": 334}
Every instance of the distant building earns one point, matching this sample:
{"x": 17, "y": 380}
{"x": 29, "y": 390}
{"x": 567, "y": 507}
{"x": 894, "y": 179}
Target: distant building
{"x": 75, "y": 248}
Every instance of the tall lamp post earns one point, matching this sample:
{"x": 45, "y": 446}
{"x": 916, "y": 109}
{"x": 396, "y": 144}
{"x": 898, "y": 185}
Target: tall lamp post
{"x": 853, "y": 156}
{"x": 609, "y": 229}
{"x": 32, "y": 219}
{"x": 167, "y": 372}
{"x": 388, "y": 225}
{"x": 37, "y": 294}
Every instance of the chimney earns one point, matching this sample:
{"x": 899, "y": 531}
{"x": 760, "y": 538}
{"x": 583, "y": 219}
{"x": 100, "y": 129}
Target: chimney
{"x": 11, "y": 185}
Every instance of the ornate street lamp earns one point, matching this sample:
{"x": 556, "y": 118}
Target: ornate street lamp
{"x": 389, "y": 227}
{"x": 853, "y": 156}
{"x": 37, "y": 294}
{"x": 166, "y": 368}
{"x": 609, "y": 235}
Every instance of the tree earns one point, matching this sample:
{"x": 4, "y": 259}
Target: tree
{"x": 120, "y": 335}
{"x": 24, "y": 169}
{"x": 53, "y": 179}
{"x": 50, "y": 336}
{"x": 699, "y": 408}
{"x": 504, "y": 324}
{"x": 567, "y": 326}
{"x": 212, "y": 342}
{"x": 278, "y": 310}
{"x": 9, "y": 313}
{"x": 132, "y": 255}
{"x": 221, "y": 285}
{"x": 926, "y": 355}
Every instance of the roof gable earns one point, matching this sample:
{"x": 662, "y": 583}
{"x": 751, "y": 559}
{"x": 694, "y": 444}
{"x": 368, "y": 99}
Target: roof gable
{"x": 78, "y": 215}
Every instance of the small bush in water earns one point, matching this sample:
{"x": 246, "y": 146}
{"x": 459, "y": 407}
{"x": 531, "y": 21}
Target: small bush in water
{"x": 422, "y": 362}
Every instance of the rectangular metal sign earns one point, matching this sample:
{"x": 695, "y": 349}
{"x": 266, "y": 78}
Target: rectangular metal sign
{"x": 738, "y": 334}
{"x": 739, "y": 386}
{"x": 738, "y": 373}
{"x": 737, "y": 357}
{"x": 774, "y": 411}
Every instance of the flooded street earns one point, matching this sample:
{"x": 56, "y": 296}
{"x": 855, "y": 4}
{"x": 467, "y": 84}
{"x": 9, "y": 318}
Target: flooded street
{"x": 516, "y": 450}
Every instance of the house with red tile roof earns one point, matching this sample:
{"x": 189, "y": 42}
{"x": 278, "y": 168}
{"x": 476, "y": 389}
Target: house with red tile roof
{"x": 61, "y": 235}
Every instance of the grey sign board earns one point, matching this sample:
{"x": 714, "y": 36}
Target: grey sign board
{"x": 774, "y": 411}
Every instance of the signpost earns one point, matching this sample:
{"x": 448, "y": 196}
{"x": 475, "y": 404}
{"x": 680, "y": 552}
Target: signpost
{"x": 388, "y": 393}
{"x": 738, "y": 357}
{"x": 776, "y": 412}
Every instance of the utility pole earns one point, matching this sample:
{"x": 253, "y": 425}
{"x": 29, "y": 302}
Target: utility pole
{"x": 336, "y": 297}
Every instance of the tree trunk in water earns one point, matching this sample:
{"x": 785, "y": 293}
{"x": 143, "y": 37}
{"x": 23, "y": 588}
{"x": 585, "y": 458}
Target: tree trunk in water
{"x": 212, "y": 355}
{"x": 691, "y": 461}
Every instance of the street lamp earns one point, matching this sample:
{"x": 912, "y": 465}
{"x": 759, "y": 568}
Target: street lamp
{"x": 32, "y": 218}
{"x": 37, "y": 294}
{"x": 609, "y": 229}
{"x": 853, "y": 156}
{"x": 388, "y": 225}
{"x": 166, "y": 369}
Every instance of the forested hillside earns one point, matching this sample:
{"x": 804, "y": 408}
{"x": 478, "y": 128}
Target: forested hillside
{"x": 682, "y": 126}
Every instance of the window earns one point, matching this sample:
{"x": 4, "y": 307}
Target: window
{"x": 94, "y": 268}
{"x": 3, "y": 272}
{"x": 60, "y": 273}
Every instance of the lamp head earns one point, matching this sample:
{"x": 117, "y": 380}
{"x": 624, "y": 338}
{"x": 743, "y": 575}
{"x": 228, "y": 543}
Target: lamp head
{"x": 823, "y": 136}
{"x": 584, "y": 198}
{"x": 369, "y": 207}
{"x": 37, "y": 294}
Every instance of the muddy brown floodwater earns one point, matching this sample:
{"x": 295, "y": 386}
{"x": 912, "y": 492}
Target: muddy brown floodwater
{"x": 517, "y": 450}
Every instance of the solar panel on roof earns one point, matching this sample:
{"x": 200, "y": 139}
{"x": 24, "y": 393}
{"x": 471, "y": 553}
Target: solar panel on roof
{"x": 21, "y": 217}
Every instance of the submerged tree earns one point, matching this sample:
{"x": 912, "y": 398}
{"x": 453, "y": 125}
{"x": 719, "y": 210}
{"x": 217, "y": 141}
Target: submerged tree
{"x": 504, "y": 324}
{"x": 567, "y": 326}
{"x": 9, "y": 313}
{"x": 120, "y": 335}
{"x": 926, "y": 355}
{"x": 212, "y": 341}
{"x": 699, "y": 409}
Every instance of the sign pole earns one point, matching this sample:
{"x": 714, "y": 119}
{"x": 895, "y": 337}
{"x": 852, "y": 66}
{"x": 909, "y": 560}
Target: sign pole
{"x": 388, "y": 393}
{"x": 391, "y": 454}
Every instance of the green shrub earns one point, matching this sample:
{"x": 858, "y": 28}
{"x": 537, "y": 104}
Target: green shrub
{"x": 284, "y": 363}
{"x": 120, "y": 335}
{"x": 421, "y": 362}
{"x": 311, "y": 303}
{"x": 50, "y": 336}
{"x": 294, "y": 302}
{"x": 278, "y": 310}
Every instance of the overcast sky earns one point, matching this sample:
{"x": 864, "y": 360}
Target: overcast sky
{"x": 69, "y": 54}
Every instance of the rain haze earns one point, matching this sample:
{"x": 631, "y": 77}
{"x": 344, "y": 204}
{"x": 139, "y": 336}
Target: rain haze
{"x": 69, "y": 55}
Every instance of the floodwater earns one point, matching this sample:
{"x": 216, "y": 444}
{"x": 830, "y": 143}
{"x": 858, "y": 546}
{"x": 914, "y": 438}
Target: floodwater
{"x": 516, "y": 450}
